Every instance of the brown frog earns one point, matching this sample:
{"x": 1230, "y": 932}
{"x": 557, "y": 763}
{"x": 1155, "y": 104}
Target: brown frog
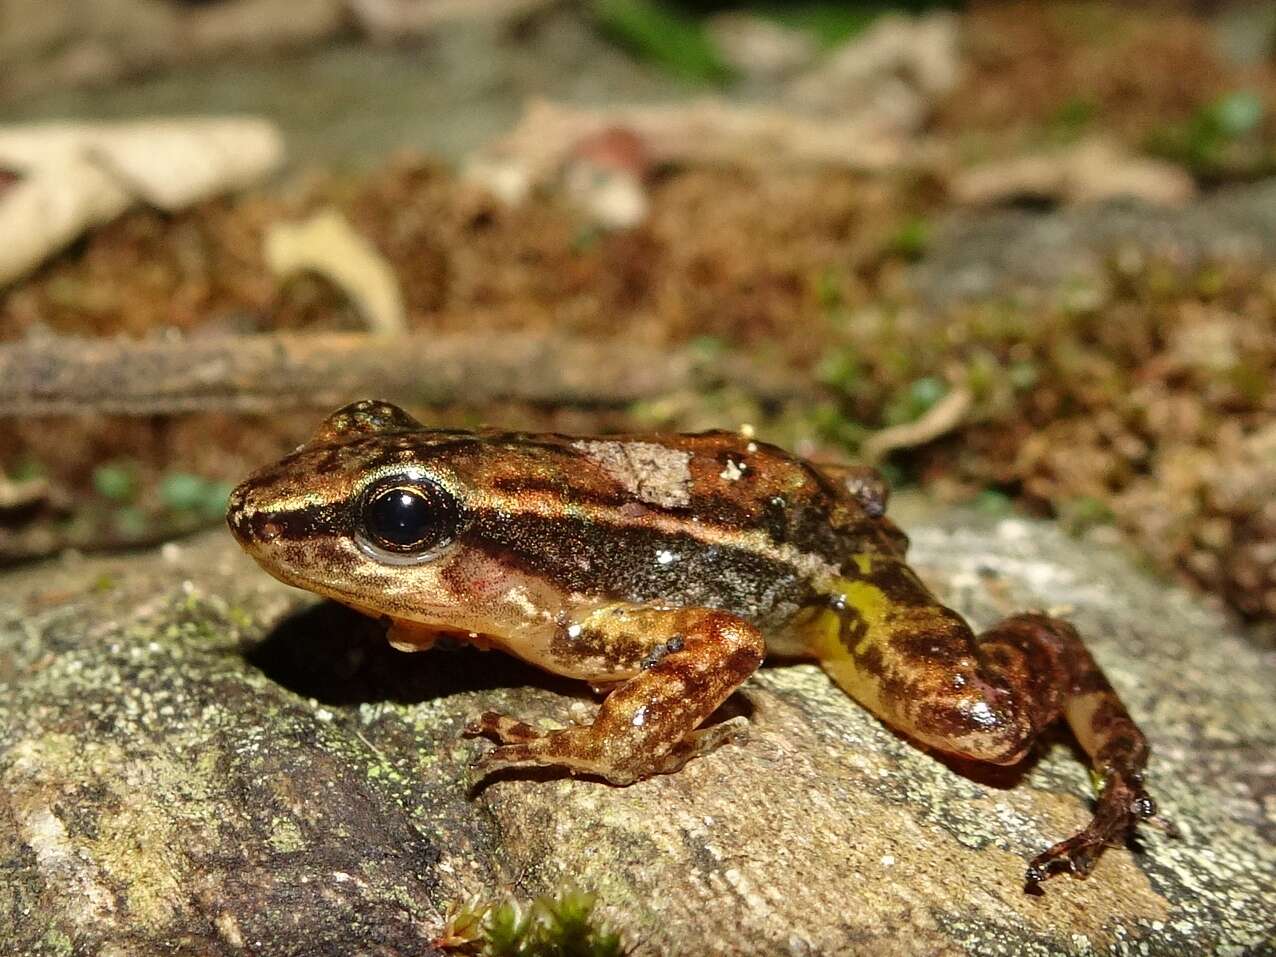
{"x": 664, "y": 568}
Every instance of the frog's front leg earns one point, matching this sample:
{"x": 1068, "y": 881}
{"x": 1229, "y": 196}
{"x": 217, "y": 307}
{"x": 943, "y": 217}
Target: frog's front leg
{"x": 917, "y": 665}
{"x": 647, "y": 725}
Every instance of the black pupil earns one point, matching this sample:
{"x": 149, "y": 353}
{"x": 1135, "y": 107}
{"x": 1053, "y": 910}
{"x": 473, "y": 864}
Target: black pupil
{"x": 400, "y": 518}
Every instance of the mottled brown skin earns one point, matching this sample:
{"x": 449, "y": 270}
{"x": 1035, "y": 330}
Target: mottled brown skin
{"x": 663, "y": 568}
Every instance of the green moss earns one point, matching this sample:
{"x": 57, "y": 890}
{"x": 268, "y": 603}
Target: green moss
{"x": 993, "y": 502}
{"x": 56, "y": 943}
{"x": 828, "y": 289}
{"x": 27, "y": 469}
{"x": 832, "y": 24}
{"x": 285, "y": 835}
{"x": 561, "y": 925}
{"x": 586, "y": 238}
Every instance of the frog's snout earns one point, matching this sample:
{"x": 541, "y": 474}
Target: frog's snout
{"x": 247, "y": 523}
{"x": 237, "y": 514}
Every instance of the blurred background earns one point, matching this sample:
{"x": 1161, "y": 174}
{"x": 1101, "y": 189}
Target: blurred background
{"x": 1021, "y": 256}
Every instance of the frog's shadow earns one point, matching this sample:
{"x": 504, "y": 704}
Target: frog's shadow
{"x": 339, "y": 658}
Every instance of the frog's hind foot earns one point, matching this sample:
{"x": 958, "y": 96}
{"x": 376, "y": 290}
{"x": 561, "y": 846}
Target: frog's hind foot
{"x": 1122, "y": 805}
{"x": 701, "y": 742}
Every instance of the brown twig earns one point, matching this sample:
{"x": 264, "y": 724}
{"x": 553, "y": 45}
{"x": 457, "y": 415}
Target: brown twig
{"x": 947, "y": 414}
{"x": 265, "y": 373}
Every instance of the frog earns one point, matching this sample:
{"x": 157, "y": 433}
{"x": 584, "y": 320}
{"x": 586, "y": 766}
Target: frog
{"x": 661, "y": 569}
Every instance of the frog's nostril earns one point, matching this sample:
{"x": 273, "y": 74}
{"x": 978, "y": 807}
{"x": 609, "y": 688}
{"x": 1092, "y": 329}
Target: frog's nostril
{"x": 239, "y": 524}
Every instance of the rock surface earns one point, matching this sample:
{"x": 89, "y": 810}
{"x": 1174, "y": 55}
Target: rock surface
{"x": 1029, "y": 255}
{"x": 196, "y": 760}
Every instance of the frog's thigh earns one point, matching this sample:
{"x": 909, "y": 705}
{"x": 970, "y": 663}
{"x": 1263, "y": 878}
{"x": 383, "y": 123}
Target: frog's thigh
{"x": 648, "y": 724}
{"x": 917, "y": 665}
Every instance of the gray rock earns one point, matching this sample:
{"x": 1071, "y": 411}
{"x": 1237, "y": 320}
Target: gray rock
{"x": 196, "y": 760}
{"x": 1030, "y": 255}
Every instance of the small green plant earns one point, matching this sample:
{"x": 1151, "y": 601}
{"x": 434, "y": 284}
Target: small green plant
{"x": 842, "y": 369}
{"x": 833, "y": 424}
{"x": 916, "y": 400}
{"x": 561, "y": 925}
{"x": 116, "y": 481}
{"x": 1071, "y": 120}
{"x": 193, "y": 494}
{"x": 1204, "y": 143}
{"x": 661, "y": 35}
{"x": 993, "y": 501}
{"x": 832, "y": 24}
{"x": 131, "y": 522}
{"x": 911, "y": 240}
{"x": 1083, "y": 513}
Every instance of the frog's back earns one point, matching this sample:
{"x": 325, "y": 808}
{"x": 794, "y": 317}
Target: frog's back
{"x": 710, "y": 519}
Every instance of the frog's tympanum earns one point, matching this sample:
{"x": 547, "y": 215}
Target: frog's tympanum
{"x": 663, "y": 568}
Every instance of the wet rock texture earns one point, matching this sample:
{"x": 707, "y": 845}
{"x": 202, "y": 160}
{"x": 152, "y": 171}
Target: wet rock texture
{"x": 195, "y": 760}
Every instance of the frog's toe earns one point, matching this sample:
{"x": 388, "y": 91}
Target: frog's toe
{"x": 575, "y": 749}
{"x": 550, "y": 750}
{"x": 1122, "y": 805}
{"x": 498, "y": 759}
{"x": 500, "y": 727}
{"x": 1076, "y": 855}
{"x": 703, "y": 741}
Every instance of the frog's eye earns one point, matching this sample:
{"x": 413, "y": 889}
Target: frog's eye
{"x": 407, "y": 518}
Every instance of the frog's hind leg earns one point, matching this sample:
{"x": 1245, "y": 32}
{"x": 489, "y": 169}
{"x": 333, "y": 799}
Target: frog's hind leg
{"x": 918, "y": 666}
{"x": 1043, "y": 660}
{"x": 648, "y": 725}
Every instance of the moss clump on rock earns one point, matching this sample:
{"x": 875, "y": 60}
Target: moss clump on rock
{"x": 558, "y": 925}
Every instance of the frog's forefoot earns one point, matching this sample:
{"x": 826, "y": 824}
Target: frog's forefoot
{"x": 522, "y": 746}
{"x": 1122, "y": 805}
{"x": 500, "y": 728}
{"x": 649, "y": 724}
